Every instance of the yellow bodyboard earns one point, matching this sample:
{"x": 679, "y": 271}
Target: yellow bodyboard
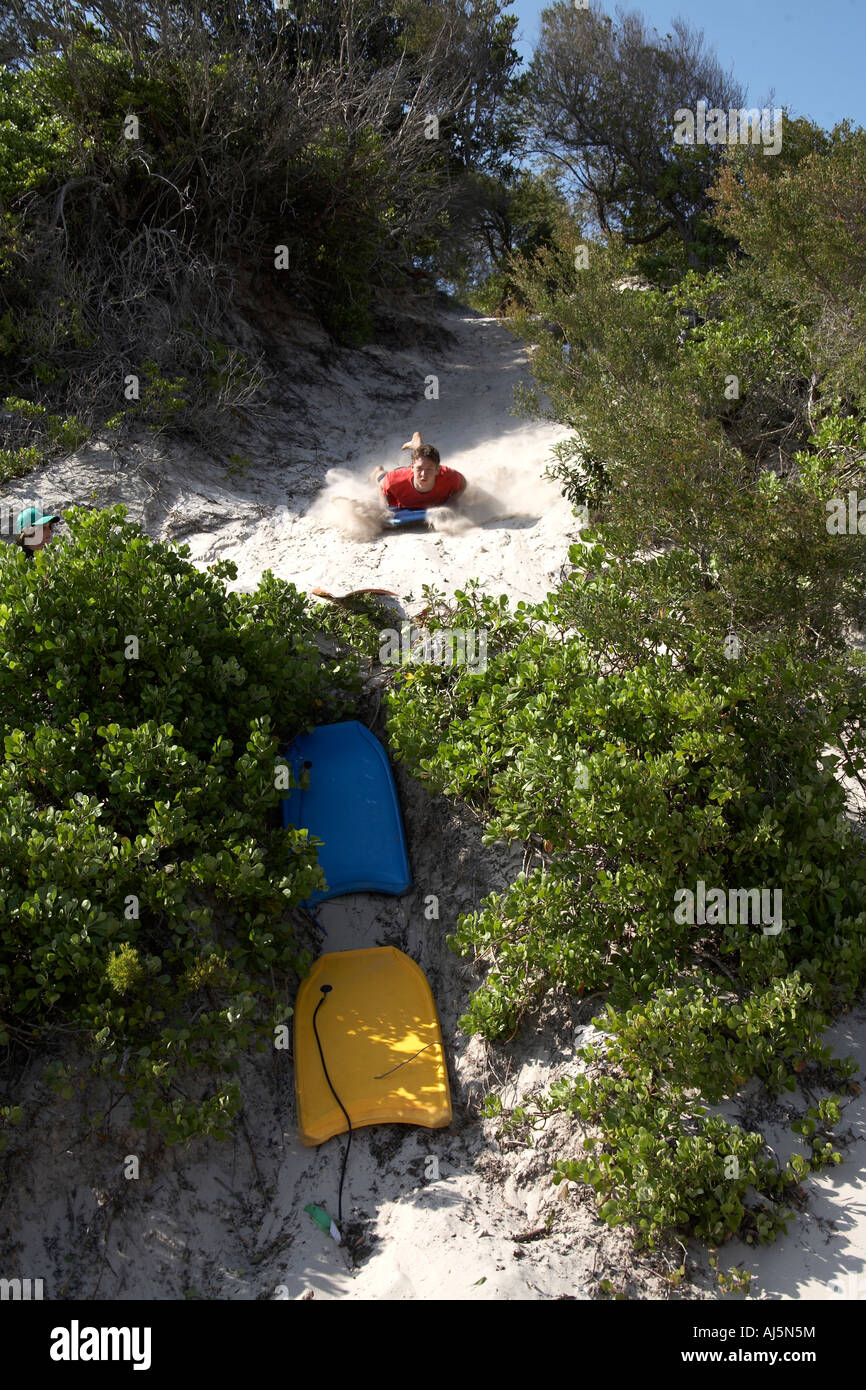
{"x": 381, "y": 1041}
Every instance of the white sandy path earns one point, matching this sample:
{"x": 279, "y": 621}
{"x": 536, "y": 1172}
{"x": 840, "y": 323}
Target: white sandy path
{"x": 470, "y": 423}
{"x": 348, "y": 411}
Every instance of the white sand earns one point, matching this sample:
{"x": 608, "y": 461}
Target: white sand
{"x": 227, "y": 1221}
{"x": 512, "y": 528}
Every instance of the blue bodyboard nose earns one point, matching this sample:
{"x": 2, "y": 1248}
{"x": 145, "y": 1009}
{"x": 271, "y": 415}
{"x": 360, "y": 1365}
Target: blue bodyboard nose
{"x": 406, "y": 516}
{"x": 350, "y": 805}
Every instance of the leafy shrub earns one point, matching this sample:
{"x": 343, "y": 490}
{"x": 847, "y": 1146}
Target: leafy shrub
{"x": 146, "y": 890}
{"x": 52, "y": 434}
{"x": 712, "y": 420}
{"x": 161, "y": 400}
{"x": 583, "y": 478}
{"x": 633, "y": 780}
{"x": 663, "y": 1164}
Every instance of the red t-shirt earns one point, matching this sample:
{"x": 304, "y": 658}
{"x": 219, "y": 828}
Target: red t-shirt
{"x": 400, "y": 491}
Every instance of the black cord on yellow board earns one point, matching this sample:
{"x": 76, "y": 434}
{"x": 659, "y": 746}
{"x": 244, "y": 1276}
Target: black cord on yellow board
{"x": 326, "y": 990}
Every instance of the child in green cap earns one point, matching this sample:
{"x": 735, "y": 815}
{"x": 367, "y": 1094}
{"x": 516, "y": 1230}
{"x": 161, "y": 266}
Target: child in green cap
{"x": 34, "y": 530}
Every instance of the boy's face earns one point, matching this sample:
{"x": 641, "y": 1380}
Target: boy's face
{"x": 36, "y": 537}
{"x": 424, "y": 474}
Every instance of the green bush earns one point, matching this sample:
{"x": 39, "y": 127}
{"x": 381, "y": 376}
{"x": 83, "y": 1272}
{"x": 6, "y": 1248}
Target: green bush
{"x": 52, "y": 435}
{"x": 633, "y": 782}
{"x": 146, "y": 888}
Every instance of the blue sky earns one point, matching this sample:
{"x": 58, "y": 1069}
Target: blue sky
{"x": 812, "y": 54}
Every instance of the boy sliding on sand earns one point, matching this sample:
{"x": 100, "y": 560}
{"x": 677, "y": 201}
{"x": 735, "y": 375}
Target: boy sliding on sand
{"x": 426, "y": 484}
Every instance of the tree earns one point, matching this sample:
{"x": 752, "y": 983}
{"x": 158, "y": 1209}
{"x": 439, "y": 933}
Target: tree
{"x": 340, "y": 133}
{"x": 806, "y": 234}
{"x": 601, "y": 103}
{"x": 513, "y": 214}
{"x": 721, "y": 445}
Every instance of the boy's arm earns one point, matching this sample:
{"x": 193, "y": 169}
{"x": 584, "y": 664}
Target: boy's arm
{"x": 381, "y": 478}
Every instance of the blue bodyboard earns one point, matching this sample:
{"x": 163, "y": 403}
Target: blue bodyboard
{"x": 351, "y": 806}
{"x": 405, "y": 516}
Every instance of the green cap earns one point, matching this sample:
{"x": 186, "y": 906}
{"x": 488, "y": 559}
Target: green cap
{"x": 32, "y": 516}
